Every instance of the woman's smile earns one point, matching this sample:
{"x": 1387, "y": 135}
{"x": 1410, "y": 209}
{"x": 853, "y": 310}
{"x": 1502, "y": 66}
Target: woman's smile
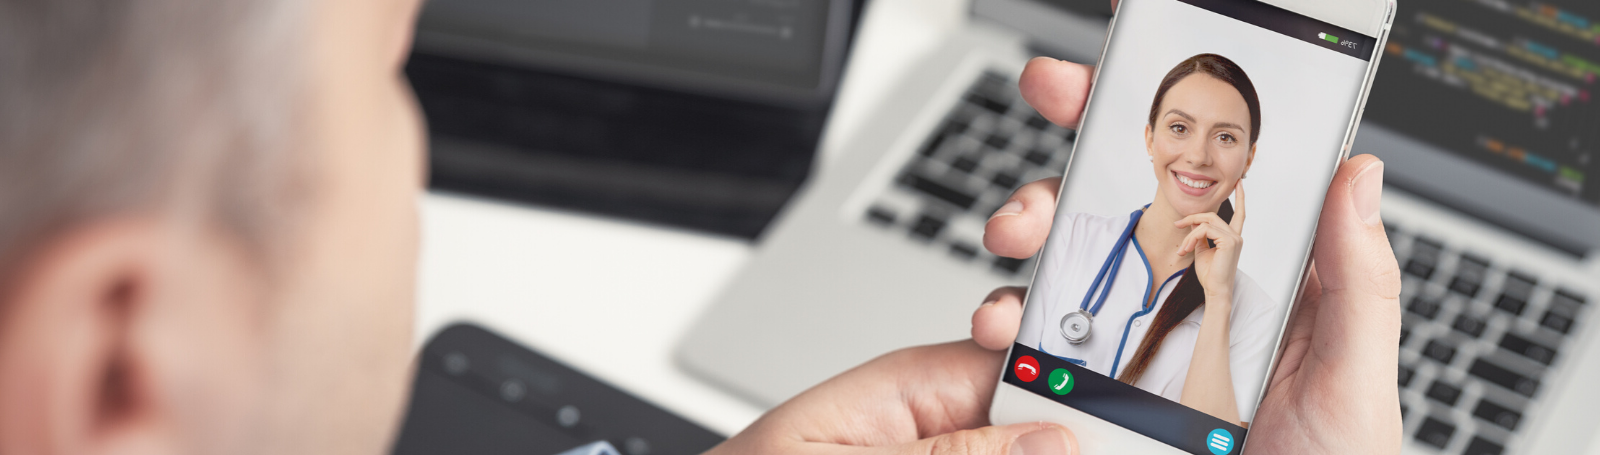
{"x": 1193, "y": 184}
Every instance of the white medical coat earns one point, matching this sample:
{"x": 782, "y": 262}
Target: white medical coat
{"x": 1079, "y": 245}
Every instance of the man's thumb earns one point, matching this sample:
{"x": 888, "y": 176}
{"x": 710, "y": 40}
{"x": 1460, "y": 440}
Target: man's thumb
{"x": 1355, "y": 264}
{"x": 1037, "y": 438}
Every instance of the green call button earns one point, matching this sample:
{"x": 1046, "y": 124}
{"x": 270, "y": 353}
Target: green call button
{"x": 1060, "y": 381}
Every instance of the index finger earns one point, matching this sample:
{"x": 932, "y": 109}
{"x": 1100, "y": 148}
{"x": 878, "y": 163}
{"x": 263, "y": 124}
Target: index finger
{"x": 1020, "y": 227}
{"x": 1237, "y": 223}
{"x": 1056, "y": 88}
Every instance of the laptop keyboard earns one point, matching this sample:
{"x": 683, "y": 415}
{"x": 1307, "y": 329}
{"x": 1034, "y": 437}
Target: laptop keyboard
{"x": 988, "y": 144}
{"x": 1478, "y": 341}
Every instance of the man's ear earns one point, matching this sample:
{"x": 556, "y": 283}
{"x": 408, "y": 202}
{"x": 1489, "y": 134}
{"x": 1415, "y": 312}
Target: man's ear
{"x": 72, "y": 379}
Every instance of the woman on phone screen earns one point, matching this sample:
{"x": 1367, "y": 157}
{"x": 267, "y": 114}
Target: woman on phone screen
{"x": 1155, "y": 298}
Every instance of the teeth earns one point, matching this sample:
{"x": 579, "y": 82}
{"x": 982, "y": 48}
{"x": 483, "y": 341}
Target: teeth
{"x": 1200, "y": 184}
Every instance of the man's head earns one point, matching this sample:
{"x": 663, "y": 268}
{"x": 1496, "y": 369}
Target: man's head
{"x": 207, "y": 225}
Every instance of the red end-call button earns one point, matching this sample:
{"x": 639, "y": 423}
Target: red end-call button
{"x": 1027, "y": 368}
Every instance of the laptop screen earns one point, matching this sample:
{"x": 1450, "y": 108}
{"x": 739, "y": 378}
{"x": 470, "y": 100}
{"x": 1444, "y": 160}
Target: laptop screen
{"x": 1485, "y": 106}
{"x": 1507, "y": 84}
{"x": 768, "y": 45}
{"x": 1488, "y": 106}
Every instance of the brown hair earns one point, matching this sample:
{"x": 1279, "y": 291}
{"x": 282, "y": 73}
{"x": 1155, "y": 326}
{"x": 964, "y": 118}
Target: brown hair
{"x": 1218, "y": 67}
{"x": 1189, "y": 294}
{"x": 1184, "y": 299}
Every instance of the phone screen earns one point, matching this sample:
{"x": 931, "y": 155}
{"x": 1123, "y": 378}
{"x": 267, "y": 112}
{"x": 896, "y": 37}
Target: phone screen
{"x": 1186, "y": 216}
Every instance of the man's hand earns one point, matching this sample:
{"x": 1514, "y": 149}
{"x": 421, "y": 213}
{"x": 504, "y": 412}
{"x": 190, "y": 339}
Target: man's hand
{"x": 930, "y": 400}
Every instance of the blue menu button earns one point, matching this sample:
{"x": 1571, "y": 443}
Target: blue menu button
{"x": 1220, "y": 442}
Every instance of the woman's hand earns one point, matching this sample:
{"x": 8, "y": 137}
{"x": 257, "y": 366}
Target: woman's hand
{"x": 1208, "y": 385}
{"x": 1333, "y": 391}
{"x": 1215, "y": 266}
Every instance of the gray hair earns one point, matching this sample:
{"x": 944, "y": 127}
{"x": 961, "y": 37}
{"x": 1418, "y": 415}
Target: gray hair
{"x": 114, "y": 107}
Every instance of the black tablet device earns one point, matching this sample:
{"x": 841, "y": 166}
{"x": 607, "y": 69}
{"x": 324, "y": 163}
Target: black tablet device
{"x": 478, "y": 393}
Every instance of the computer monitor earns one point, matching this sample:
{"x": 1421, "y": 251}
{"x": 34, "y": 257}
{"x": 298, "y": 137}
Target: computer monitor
{"x": 703, "y": 114}
{"x": 1488, "y": 106}
{"x": 786, "y": 50}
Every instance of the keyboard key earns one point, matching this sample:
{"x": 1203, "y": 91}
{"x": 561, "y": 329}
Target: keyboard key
{"x": 1444, "y": 393}
{"x": 1424, "y": 257}
{"x": 1435, "y": 432}
{"x": 1555, "y": 320}
{"x": 1038, "y": 157}
{"x": 1469, "y": 325}
{"x": 1518, "y": 285}
{"x": 1405, "y": 332}
{"x": 1425, "y": 307}
{"x": 963, "y": 251}
{"x": 1464, "y": 287}
{"x": 997, "y": 141}
{"x": 939, "y": 191}
{"x": 1480, "y": 446}
{"x": 1008, "y": 265}
{"x": 1470, "y": 271}
{"x": 1004, "y": 180}
{"x": 1565, "y": 297}
{"x": 1405, "y": 376}
{"x": 927, "y": 227}
{"x": 1511, "y": 304}
{"x": 1443, "y": 353}
{"x": 1038, "y": 122}
{"x": 932, "y": 147}
{"x": 1528, "y": 348}
{"x": 1504, "y": 377}
{"x": 1421, "y": 269}
{"x": 964, "y": 164}
{"x": 1496, "y": 414}
{"x": 957, "y": 126}
{"x": 989, "y": 104}
{"x": 880, "y": 216}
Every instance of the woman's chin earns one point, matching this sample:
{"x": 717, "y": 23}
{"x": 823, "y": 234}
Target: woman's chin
{"x": 1189, "y": 207}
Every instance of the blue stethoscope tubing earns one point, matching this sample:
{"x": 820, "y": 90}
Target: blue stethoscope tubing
{"x": 1076, "y": 326}
{"x": 1112, "y": 264}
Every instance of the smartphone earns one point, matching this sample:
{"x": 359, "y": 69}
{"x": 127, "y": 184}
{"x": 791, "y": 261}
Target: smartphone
{"x": 1185, "y": 219}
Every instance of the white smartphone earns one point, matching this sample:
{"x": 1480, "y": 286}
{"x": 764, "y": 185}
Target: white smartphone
{"x": 1185, "y": 219}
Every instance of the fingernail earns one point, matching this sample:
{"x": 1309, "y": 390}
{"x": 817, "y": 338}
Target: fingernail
{"x": 1048, "y": 441}
{"x": 991, "y": 302}
{"x": 1366, "y": 193}
{"x": 1011, "y": 208}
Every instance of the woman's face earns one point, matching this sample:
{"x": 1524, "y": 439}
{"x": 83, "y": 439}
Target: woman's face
{"x": 1200, "y": 144}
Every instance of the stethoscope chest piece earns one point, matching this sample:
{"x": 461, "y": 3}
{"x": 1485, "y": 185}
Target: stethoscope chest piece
{"x": 1075, "y": 326}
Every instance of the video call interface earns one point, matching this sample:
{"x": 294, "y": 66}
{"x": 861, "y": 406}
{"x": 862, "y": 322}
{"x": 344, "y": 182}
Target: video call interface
{"x": 1506, "y": 83}
{"x": 770, "y": 41}
{"x": 1178, "y": 350}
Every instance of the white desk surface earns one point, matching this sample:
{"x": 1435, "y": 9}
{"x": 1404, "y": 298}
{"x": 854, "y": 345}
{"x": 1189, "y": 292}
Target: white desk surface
{"x": 612, "y": 297}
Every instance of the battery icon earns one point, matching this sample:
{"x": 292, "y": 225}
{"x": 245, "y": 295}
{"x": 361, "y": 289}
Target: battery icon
{"x": 1328, "y": 38}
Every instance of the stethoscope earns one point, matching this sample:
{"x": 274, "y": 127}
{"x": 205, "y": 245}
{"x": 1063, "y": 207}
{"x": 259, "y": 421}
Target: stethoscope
{"x": 1075, "y": 326}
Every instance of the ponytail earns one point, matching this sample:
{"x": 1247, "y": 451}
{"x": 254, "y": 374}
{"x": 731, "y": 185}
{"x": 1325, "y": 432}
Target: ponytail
{"x": 1184, "y": 299}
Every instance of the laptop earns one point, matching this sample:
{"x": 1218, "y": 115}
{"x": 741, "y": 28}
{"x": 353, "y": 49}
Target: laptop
{"x": 1483, "y": 112}
{"x": 700, "y": 114}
